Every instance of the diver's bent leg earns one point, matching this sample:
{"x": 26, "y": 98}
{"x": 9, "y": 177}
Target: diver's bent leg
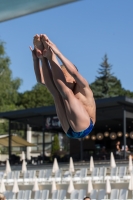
{"x": 60, "y": 108}
{"x": 48, "y": 77}
{"x": 61, "y": 113}
{"x": 58, "y": 76}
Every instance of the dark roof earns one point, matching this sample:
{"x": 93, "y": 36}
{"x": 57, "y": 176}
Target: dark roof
{"x": 32, "y": 112}
{"x": 114, "y": 101}
{"x": 32, "y": 116}
{"x": 107, "y": 109}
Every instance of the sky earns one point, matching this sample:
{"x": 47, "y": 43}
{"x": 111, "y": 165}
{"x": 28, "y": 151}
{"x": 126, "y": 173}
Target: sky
{"x": 84, "y": 31}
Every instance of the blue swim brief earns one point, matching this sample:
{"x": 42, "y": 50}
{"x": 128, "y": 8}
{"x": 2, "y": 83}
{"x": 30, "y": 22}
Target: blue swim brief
{"x": 75, "y": 135}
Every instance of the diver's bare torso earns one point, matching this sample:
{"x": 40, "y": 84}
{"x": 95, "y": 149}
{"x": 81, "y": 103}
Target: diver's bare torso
{"x": 85, "y": 96}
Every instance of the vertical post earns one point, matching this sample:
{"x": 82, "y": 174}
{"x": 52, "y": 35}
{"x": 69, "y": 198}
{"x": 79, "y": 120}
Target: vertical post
{"x": 124, "y": 132}
{"x": 9, "y": 144}
{"x": 29, "y": 131}
{"x": 25, "y": 135}
{"x": 43, "y": 135}
{"x": 81, "y": 149}
{"x": 25, "y": 131}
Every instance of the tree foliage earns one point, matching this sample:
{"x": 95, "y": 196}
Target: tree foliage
{"x": 8, "y": 86}
{"x": 37, "y": 97}
{"x": 55, "y": 145}
{"x": 106, "y": 84}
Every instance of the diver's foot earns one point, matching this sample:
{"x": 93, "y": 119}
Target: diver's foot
{"x": 48, "y": 44}
{"x": 38, "y": 45}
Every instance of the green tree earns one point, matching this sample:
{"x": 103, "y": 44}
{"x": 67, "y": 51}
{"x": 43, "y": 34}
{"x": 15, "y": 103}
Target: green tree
{"x": 8, "y": 86}
{"x": 3, "y": 126}
{"x": 106, "y": 84}
{"x": 37, "y": 97}
{"x": 126, "y": 93}
{"x": 55, "y": 146}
